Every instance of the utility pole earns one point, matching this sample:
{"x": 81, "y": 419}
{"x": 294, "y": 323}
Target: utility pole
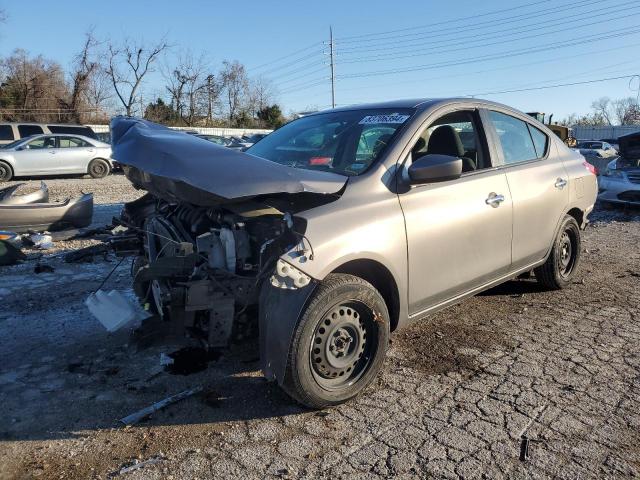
{"x": 333, "y": 68}
{"x": 209, "y": 101}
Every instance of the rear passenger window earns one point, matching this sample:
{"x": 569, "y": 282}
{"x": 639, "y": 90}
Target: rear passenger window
{"x": 6, "y": 132}
{"x": 515, "y": 139}
{"x": 539, "y": 141}
{"x": 71, "y": 142}
{"x": 27, "y": 130}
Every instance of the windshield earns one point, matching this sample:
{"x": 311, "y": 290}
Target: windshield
{"x": 15, "y": 143}
{"x": 341, "y": 142}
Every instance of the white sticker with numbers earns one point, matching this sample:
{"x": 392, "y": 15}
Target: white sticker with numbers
{"x": 393, "y": 118}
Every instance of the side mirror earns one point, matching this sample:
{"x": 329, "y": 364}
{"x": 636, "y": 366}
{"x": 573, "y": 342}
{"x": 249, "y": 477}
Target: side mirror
{"x": 435, "y": 168}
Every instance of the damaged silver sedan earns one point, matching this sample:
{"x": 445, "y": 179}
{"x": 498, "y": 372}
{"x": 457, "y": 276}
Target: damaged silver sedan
{"x": 344, "y": 225}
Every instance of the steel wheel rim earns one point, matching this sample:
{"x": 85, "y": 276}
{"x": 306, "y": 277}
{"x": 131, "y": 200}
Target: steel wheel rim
{"x": 343, "y": 345}
{"x": 98, "y": 169}
{"x": 567, "y": 253}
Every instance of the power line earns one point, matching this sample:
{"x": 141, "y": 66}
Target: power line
{"x": 446, "y": 32}
{"x": 494, "y": 69}
{"x": 284, "y": 57}
{"x": 508, "y": 54}
{"x": 584, "y": 82}
{"x": 472, "y": 17}
{"x": 504, "y": 38}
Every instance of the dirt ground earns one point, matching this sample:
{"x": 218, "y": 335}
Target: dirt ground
{"x": 458, "y": 396}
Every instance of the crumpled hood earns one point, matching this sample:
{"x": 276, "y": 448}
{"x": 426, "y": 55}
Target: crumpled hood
{"x": 160, "y": 159}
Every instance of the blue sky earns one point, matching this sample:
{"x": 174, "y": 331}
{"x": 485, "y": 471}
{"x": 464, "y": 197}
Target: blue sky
{"x": 433, "y": 47}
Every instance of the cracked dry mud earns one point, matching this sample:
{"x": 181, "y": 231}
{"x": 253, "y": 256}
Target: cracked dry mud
{"x": 457, "y": 393}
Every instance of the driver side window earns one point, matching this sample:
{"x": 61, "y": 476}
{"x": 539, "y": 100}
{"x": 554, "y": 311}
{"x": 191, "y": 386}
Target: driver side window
{"x": 456, "y": 134}
{"x": 42, "y": 142}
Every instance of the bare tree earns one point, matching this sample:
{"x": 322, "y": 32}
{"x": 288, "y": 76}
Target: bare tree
{"x": 84, "y": 68}
{"x": 128, "y": 65}
{"x": 187, "y": 83}
{"x": 32, "y": 88}
{"x": 99, "y": 93}
{"x": 211, "y": 97}
{"x": 260, "y": 95}
{"x": 627, "y": 111}
{"x": 235, "y": 84}
{"x": 602, "y": 109}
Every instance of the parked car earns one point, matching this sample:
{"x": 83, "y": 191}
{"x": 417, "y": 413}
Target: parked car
{"x": 345, "y": 225}
{"x": 217, "y": 139}
{"x": 606, "y": 149}
{"x": 40, "y": 155}
{"x": 10, "y": 132}
{"x": 620, "y": 181}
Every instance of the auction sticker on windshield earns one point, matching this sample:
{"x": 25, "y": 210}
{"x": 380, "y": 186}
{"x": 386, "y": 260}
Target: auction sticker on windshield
{"x": 378, "y": 119}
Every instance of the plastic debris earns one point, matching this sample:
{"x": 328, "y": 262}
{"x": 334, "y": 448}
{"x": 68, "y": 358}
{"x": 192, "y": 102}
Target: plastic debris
{"x": 42, "y": 241}
{"x": 113, "y": 310}
{"x": 138, "y": 464}
{"x": 145, "y": 412}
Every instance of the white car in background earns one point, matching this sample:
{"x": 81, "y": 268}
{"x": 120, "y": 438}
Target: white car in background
{"x": 40, "y": 155}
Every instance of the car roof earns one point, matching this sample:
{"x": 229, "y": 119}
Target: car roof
{"x": 417, "y": 103}
{"x": 76, "y": 135}
{"x": 53, "y": 124}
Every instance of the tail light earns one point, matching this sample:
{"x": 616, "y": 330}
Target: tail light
{"x": 590, "y": 167}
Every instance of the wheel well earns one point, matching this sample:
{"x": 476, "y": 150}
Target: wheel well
{"x": 8, "y": 165}
{"x": 380, "y": 277}
{"x": 98, "y": 158}
{"x": 578, "y": 215}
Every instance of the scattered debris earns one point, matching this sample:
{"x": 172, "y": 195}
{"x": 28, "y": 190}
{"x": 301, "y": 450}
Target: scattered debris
{"x": 138, "y": 464}
{"x": 43, "y": 241}
{"x": 524, "y": 448}
{"x": 43, "y": 268}
{"x": 190, "y": 360}
{"x": 7, "y": 196}
{"x": 72, "y": 213}
{"x": 113, "y": 310}
{"x": 87, "y": 254}
{"x": 212, "y": 398}
{"x": 10, "y": 254}
{"x": 145, "y": 412}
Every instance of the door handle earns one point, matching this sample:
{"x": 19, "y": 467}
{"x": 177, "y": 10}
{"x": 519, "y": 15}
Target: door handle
{"x": 494, "y": 199}
{"x": 560, "y": 183}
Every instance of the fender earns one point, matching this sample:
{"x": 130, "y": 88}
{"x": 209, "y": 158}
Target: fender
{"x": 279, "y": 313}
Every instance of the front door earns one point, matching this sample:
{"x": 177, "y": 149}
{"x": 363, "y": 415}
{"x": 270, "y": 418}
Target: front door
{"x": 37, "y": 156}
{"x": 458, "y": 231}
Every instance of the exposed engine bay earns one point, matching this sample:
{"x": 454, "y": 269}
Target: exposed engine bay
{"x": 200, "y": 268}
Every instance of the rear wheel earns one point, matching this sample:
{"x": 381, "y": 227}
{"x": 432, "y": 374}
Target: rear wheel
{"x": 6, "y": 173}
{"x": 558, "y": 270}
{"x": 98, "y": 168}
{"x": 339, "y": 344}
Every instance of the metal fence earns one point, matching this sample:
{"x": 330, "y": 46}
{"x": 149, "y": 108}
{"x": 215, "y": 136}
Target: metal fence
{"x": 224, "y": 132}
{"x": 598, "y": 133}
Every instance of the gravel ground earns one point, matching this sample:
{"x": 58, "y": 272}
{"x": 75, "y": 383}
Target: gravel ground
{"x": 458, "y": 393}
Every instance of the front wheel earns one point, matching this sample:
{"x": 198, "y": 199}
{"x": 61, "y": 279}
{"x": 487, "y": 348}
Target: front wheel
{"x": 99, "y": 168}
{"x": 558, "y": 270}
{"x": 6, "y": 173}
{"x": 339, "y": 344}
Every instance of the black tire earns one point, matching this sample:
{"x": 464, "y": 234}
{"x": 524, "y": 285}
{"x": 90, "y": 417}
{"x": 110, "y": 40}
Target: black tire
{"x": 98, "y": 168}
{"x": 339, "y": 344}
{"x": 6, "y": 172}
{"x": 558, "y": 270}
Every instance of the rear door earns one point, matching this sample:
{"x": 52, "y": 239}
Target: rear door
{"x": 74, "y": 154}
{"x": 538, "y": 183}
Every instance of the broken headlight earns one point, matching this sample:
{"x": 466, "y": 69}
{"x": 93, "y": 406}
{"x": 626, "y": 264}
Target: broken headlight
{"x": 289, "y": 277}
